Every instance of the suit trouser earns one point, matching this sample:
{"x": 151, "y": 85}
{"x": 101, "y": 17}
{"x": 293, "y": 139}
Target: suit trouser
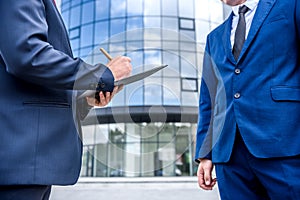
{"x": 26, "y": 192}
{"x": 246, "y": 177}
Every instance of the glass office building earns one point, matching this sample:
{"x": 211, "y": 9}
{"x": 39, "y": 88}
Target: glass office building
{"x": 149, "y": 127}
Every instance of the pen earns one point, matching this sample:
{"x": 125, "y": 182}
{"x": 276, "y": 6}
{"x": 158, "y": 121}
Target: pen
{"x": 106, "y": 54}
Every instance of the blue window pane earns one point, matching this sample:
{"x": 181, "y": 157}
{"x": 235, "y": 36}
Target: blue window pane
{"x": 171, "y": 91}
{"x": 187, "y": 36}
{"x": 172, "y": 60}
{"x": 189, "y": 98}
{"x": 188, "y": 65}
{"x": 65, "y": 16}
{"x": 119, "y": 10}
{"x": 88, "y": 12}
{"x": 152, "y": 22}
{"x": 189, "y": 84}
{"x": 137, "y": 60}
{"x": 187, "y": 23}
{"x": 134, "y": 7}
{"x": 75, "y": 17}
{"x": 117, "y": 26}
{"x": 74, "y": 33}
{"x": 101, "y": 32}
{"x": 135, "y": 94}
{"x": 153, "y": 91}
{"x": 102, "y": 9}
{"x": 134, "y": 23}
{"x": 170, "y": 23}
{"x": 85, "y": 52}
{"x": 75, "y": 2}
{"x": 169, "y": 8}
{"x": 152, "y": 59}
{"x": 75, "y": 44}
{"x": 86, "y": 35}
{"x": 152, "y": 7}
{"x": 186, "y": 8}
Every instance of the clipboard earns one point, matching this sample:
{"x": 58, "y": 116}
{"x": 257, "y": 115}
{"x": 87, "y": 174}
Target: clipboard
{"x": 128, "y": 80}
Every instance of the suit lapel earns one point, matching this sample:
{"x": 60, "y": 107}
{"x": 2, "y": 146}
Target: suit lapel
{"x": 226, "y": 38}
{"x": 59, "y": 17}
{"x": 263, "y": 9}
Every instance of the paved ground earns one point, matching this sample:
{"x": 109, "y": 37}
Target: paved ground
{"x": 173, "y": 188}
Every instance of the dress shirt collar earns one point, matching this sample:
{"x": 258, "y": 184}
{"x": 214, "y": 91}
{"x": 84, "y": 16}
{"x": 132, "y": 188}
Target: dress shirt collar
{"x": 251, "y": 4}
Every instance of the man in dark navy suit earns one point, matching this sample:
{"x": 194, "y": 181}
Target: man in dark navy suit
{"x": 249, "y": 104}
{"x": 39, "y": 144}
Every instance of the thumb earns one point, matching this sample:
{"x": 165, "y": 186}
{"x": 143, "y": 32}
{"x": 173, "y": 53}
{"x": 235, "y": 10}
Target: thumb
{"x": 207, "y": 176}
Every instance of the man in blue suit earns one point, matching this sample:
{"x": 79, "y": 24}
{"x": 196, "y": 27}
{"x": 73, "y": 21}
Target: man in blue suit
{"x": 249, "y": 104}
{"x": 39, "y": 143}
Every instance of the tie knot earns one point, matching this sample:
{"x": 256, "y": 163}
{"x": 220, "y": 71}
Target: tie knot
{"x": 243, "y": 9}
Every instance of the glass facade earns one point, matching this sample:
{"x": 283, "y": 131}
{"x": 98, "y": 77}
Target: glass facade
{"x": 149, "y": 127}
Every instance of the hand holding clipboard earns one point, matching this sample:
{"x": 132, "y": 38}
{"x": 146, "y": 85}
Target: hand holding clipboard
{"x": 127, "y": 80}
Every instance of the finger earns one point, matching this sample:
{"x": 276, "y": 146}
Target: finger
{"x": 107, "y": 97}
{"x": 207, "y": 176}
{"x": 92, "y": 101}
{"x": 200, "y": 174}
{"x": 102, "y": 99}
{"x": 115, "y": 91}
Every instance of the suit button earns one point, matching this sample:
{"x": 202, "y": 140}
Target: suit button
{"x": 237, "y": 71}
{"x": 237, "y": 95}
{"x": 102, "y": 85}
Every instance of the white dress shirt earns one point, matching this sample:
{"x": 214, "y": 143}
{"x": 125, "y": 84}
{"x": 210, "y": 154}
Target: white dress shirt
{"x": 252, "y": 5}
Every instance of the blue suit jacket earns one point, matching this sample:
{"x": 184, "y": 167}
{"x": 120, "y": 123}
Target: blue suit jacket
{"x": 39, "y": 142}
{"x": 262, "y": 97}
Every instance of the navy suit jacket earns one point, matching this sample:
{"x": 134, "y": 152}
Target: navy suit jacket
{"x": 39, "y": 142}
{"x": 259, "y": 93}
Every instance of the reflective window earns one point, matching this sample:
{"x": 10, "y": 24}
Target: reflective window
{"x": 75, "y": 2}
{"x": 169, "y": 7}
{"x": 134, "y": 23}
{"x": 74, "y": 33}
{"x": 75, "y": 17}
{"x": 202, "y": 9}
{"x": 186, "y": 24}
{"x": 188, "y": 65}
{"x": 202, "y": 29}
{"x": 171, "y": 91}
{"x": 153, "y": 91}
{"x": 134, "y": 93}
{"x": 170, "y": 23}
{"x": 86, "y": 38}
{"x": 152, "y": 59}
{"x": 189, "y": 98}
{"x": 117, "y": 26}
{"x": 186, "y": 8}
{"x": 75, "y": 44}
{"x": 134, "y": 7}
{"x": 101, "y": 32}
{"x": 119, "y": 9}
{"x": 102, "y": 9}
{"x": 66, "y": 17}
{"x": 189, "y": 84}
{"x": 152, "y": 7}
{"x": 88, "y": 12}
{"x": 85, "y": 52}
{"x": 152, "y": 22}
{"x": 172, "y": 60}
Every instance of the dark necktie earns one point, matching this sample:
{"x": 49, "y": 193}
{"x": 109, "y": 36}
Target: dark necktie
{"x": 240, "y": 33}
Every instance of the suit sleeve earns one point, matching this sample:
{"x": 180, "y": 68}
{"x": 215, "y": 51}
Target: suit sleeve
{"x": 204, "y": 128}
{"x": 28, "y": 55}
{"x": 297, "y": 17}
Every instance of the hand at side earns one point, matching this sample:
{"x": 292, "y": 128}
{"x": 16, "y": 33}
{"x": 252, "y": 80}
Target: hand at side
{"x": 204, "y": 174}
